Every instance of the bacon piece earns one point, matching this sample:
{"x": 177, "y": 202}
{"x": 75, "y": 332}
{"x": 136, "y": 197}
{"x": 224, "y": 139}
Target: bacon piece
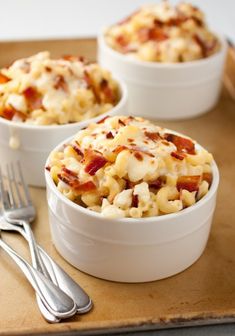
{"x": 138, "y": 156}
{"x": 206, "y": 47}
{"x": 178, "y": 155}
{"x": 135, "y": 201}
{"x": 91, "y": 85}
{"x": 154, "y": 136}
{"x": 73, "y": 58}
{"x": 86, "y": 186}
{"x": 207, "y": 177}
{"x": 69, "y": 177}
{"x": 33, "y": 98}
{"x": 109, "y": 135}
{"x": 154, "y": 33}
{"x": 101, "y": 121}
{"x": 48, "y": 168}
{"x": 190, "y": 183}
{"x": 119, "y": 149}
{"x": 8, "y": 113}
{"x": 121, "y": 40}
{"x": 182, "y": 144}
{"x": 60, "y": 83}
{"x": 68, "y": 172}
{"x": 77, "y": 150}
{"x": 121, "y": 122}
{"x": 4, "y": 79}
{"x": 107, "y": 91}
{"x": 158, "y": 183}
{"x": 94, "y": 162}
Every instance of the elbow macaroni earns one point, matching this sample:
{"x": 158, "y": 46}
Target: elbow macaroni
{"x": 44, "y": 91}
{"x": 151, "y": 172}
{"x": 163, "y": 33}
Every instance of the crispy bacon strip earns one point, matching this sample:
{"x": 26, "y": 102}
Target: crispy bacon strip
{"x": 154, "y": 136}
{"x": 182, "y": 144}
{"x": 77, "y": 149}
{"x": 33, "y": 98}
{"x": 158, "y": 183}
{"x": 154, "y": 33}
{"x": 109, "y": 135}
{"x": 135, "y": 201}
{"x": 190, "y": 183}
{"x": 101, "y": 121}
{"x": 94, "y": 162}
{"x": 107, "y": 91}
{"x": 69, "y": 177}
{"x": 206, "y": 47}
{"x": 138, "y": 156}
{"x": 4, "y": 79}
{"x": 178, "y": 155}
{"x": 8, "y": 113}
{"x": 60, "y": 83}
{"x": 91, "y": 85}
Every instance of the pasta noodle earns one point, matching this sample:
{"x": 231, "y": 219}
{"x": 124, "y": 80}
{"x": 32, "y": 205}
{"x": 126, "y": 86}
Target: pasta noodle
{"x": 44, "y": 91}
{"x": 151, "y": 172}
{"x": 163, "y": 33}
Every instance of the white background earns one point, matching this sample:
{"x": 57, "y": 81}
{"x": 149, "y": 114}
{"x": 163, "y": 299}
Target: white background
{"x": 39, "y": 19}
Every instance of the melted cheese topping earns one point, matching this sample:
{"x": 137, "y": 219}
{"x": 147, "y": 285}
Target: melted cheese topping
{"x": 129, "y": 167}
{"x": 163, "y": 33}
{"x": 44, "y": 91}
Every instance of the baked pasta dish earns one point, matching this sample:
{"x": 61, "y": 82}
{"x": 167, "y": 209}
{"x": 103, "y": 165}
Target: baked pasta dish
{"x": 128, "y": 167}
{"x": 163, "y": 33}
{"x": 44, "y": 91}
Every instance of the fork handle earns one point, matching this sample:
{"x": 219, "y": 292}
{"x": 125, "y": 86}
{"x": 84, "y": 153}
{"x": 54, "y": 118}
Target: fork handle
{"x": 66, "y": 283}
{"x": 34, "y": 251}
{"x": 63, "y": 280}
{"x": 55, "y": 300}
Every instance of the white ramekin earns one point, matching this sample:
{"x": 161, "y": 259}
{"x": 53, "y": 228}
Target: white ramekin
{"x": 36, "y": 142}
{"x": 129, "y": 250}
{"x": 167, "y": 90}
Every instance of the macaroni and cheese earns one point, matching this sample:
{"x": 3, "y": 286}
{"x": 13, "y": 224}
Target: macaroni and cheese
{"x": 128, "y": 167}
{"x": 163, "y": 33}
{"x": 44, "y": 91}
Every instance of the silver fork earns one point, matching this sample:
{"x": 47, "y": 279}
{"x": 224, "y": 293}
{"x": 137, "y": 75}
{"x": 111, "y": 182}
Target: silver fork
{"x": 19, "y": 214}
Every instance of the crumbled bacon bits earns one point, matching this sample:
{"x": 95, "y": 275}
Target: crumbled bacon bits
{"x": 60, "y": 83}
{"x": 4, "y": 79}
{"x": 94, "y": 162}
{"x": 178, "y": 155}
{"x": 109, "y": 96}
{"x": 158, "y": 183}
{"x": 70, "y": 177}
{"x": 8, "y": 113}
{"x": 138, "y": 156}
{"x": 33, "y": 98}
{"x": 190, "y": 183}
{"x": 135, "y": 201}
{"x": 77, "y": 149}
{"x": 101, "y": 121}
{"x": 182, "y": 144}
{"x": 154, "y": 136}
{"x": 154, "y": 33}
{"x": 109, "y": 135}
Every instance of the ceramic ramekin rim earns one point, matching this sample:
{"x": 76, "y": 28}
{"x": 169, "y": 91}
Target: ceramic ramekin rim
{"x": 120, "y": 104}
{"x": 157, "y": 65}
{"x": 213, "y": 189}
